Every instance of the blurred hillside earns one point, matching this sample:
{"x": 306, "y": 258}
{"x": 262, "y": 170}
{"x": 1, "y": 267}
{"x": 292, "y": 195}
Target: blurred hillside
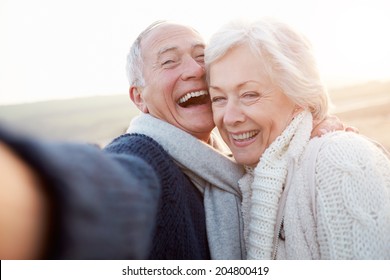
{"x": 100, "y": 119}
{"x": 92, "y": 119}
{"x": 366, "y": 107}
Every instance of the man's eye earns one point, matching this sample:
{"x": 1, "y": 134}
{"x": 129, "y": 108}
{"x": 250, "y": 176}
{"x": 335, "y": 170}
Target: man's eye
{"x": 200, "y": 57}
{"x": 166, "y": 62}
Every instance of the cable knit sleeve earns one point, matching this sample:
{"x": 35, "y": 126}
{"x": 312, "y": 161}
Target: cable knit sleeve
{"x": 353, "y": 199}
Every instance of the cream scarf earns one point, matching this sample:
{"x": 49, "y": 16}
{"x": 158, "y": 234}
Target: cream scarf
{"x": 213, "y": 173}
{"x": 262, "y": 187}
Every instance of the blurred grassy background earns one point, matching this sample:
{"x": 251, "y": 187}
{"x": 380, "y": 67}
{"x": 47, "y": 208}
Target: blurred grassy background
{"x": 90, "y": 119}
{"x": 366, "y": 107}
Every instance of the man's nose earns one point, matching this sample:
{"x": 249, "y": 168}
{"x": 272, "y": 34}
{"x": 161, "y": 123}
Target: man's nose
{"x": 193, "y": 69}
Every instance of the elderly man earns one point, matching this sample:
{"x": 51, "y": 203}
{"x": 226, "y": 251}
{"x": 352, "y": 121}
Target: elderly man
{"x": 164, "y": 190}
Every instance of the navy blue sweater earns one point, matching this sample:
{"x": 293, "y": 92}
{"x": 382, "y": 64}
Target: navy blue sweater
{"x": 180, "y": 231}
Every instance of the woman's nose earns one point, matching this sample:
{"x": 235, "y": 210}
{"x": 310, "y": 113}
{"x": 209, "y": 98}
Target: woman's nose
{"x": 233, "y": 114}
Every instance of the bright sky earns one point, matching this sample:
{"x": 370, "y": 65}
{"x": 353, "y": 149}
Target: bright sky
{"x": 54, "y": 49}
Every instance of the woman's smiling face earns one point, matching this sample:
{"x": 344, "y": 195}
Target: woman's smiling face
{"x": 248, "y": 109}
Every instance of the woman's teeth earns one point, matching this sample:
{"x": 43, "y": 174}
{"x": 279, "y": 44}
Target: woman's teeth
{"x": 245, "y": 135}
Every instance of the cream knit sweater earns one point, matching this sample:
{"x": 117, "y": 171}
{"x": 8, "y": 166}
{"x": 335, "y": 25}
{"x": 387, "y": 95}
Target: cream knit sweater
{"x": 350, "y": 216}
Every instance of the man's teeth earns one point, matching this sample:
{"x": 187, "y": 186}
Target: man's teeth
{"x": 244, "y": 136}
{"x": 192, "y": 94}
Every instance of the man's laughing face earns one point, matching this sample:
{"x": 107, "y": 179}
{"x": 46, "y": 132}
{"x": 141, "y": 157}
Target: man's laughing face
{"x": 175, "y": 87}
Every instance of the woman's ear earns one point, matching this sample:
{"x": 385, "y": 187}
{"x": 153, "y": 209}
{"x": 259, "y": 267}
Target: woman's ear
{"x": 136, "y": 96}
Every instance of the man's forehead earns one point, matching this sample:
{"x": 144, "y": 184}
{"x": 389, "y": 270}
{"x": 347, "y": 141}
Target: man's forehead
{"x": 171, "y": 36}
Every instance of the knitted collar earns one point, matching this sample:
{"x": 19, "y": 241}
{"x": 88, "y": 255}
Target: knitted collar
{"x": 213, "y": 173}
{"x": 266, "y": 186}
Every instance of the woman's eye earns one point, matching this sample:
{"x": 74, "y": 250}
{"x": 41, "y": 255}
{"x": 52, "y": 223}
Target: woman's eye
{"x": 250, "y": 94}
{"x": 250, "y": 97}
{"x": 217, "y": 99}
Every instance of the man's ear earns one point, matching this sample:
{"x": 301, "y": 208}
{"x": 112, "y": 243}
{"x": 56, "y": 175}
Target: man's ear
{"x": 136, "y": 96}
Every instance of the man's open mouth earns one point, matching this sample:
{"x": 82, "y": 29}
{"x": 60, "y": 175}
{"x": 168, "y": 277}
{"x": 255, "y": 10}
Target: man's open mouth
{"x": 194, "y": 98}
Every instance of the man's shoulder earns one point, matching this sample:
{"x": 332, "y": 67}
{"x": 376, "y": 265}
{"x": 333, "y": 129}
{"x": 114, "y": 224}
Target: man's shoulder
{"x": 142, "y": 146}
{"x": 132, "y": 142}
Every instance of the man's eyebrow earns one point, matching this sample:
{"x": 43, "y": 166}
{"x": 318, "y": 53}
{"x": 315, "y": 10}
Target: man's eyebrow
{"x": 166, "y": 49}
{"x": 197, "y": 45}
{"x": 173, "y": 48}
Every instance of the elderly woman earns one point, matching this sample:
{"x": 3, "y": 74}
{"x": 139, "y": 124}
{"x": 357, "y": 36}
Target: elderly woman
{"x": 320, "y": 198}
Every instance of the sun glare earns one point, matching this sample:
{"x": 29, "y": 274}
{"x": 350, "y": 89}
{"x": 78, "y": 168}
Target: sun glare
{"x": 50, "y": 50}
{"x": 353, "y": 46}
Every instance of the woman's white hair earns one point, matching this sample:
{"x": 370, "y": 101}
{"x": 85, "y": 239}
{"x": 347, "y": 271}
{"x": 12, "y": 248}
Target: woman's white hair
{"x": 288, "y": 56}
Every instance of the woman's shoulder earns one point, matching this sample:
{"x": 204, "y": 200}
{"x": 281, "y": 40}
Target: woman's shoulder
{"x": 343, "y": 160}
{"x": 352, "y": 184}
{"x": 348, "y": 147}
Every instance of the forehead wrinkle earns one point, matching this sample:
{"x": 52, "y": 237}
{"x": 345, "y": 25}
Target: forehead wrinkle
{"x": 247, "y": 82}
